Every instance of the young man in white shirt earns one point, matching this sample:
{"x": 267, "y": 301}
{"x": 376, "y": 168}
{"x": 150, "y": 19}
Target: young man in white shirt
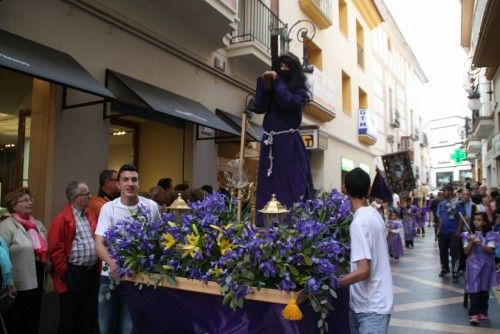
{"x": 113, "y": 312}
{"x": 370, "y": 279}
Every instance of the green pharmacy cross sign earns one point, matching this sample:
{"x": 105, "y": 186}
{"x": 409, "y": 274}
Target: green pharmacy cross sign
{"x": 458, "y": 156}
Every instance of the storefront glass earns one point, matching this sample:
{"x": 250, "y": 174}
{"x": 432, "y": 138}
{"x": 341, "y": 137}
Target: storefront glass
{"x": 15, "y": 124}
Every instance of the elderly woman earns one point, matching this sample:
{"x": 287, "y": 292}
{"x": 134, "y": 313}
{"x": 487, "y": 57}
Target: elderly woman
{"x": 26, "y": 239}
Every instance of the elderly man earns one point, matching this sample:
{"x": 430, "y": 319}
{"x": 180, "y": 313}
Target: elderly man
{"x": 113, "y": 312}
{"x": 75, "y": 270}
{"x": 108, "y": 190}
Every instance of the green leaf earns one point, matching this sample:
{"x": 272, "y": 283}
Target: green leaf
{"x": 293, "y": 270}
{"x": 325, "y": 287}
{"x": 227, "y": 298}
{"x": 307, "y": 260}
{"x": 307, "y": 251}
{"x": 320, "y": 323}
{"x": 333, "y": 293}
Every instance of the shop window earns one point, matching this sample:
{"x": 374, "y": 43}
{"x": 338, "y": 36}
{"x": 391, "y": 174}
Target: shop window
{"x": 123, "y": 143}
{"x": 15, "y": 125}
{"x": 343, "y": 18}
{"x": 443, "y": 178}
{"x": 346, "y": 93}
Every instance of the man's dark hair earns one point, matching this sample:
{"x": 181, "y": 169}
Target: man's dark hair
{"x": 165, "y": 183}
{"x": 207, "y": 188}
{"x": 106, "y": 174}
{"x": 477, "y": 198}
{"x": 126, "y": 168}
{"x": 357, "y": 183}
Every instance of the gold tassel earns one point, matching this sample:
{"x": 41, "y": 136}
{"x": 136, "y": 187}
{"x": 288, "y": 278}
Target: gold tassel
{"x": 292, "y": 311}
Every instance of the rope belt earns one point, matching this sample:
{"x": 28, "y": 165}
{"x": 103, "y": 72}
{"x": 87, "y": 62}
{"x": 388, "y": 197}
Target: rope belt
{"x": 269, "y": 142}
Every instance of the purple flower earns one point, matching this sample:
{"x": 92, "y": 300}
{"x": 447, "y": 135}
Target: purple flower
{"x": 312, "y": 285}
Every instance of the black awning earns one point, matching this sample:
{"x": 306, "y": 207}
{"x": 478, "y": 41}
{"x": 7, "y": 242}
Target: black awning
{"x": 253, "y": 130}
{"x": 25, "y": 56}
{"x": 171, "y": 104}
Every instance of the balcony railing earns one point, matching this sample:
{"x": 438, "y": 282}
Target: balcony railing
{"x": 406, "y": 144}
{"x": 361, "y": 56}
{"x": 257, "y": 21}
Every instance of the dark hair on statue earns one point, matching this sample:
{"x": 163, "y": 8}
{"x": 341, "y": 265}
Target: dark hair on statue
{"x": 297, "y": 77}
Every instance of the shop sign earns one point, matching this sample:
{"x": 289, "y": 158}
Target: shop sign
{"x": 313, "y": 138}
{"x": 367, "y": 131}
{"x": 346, "y": 164}
{"x": 205, "y": 133}
{"x": 322, "y": 89}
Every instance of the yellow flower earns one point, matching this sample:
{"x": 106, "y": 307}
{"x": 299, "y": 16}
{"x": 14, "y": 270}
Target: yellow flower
{"x": 224, "y": 245}
{"x": 216, "y": 272}
{"x": 191, "y": 248}
{"x": 168, "y": 241}
{"x": 193, "y": 239}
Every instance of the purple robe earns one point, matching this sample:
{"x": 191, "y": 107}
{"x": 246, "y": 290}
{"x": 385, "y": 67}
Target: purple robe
{"x": 394, "y": 239}
{"x": 289, "y": 177}
{"x": 410, "y": 222}
{"x": 480, "y": 274}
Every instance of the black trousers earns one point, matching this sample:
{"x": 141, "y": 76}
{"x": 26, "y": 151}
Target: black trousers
{"x": 24, "y": 314}
{"x": 479, "y": 303}
{"x": 78, "y": 305}
{"x": 449, "y": 245}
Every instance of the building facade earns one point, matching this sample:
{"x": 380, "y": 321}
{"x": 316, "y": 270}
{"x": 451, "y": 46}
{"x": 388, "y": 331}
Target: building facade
{"x": 447, "y": 153}
{"x": 158, "y": 83}
{"x": 480, "y": 24}
{"x": 398, "y": 81}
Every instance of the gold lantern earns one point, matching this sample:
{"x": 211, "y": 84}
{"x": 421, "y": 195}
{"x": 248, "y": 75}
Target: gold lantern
{"x": 273, "y": 211}
{"x": 179, "y": 208}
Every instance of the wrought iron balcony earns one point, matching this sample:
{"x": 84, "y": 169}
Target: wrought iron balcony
{"x": 482, "y": 126}
{"x": 257, "y": 21}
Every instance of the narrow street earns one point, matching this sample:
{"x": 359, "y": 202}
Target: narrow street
{"x": 426, "y": 303}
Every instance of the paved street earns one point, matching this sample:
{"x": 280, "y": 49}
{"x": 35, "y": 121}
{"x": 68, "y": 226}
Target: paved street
{"x": 426, "y": 303}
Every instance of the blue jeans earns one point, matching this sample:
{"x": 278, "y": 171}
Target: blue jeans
{"x": 368, "y": 323}
{"x": 114, "y": 317}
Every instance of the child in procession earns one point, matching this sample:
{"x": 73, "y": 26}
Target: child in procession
{"x": 394, "y": 242}
{"x": 479, "y": 244}
{"x": 409, "y": 213}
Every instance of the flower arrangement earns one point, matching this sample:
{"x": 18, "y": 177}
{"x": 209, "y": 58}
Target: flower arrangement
{"x": 209, "y": 245}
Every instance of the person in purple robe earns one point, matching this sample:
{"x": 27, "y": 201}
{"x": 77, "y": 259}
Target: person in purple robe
{"x": 284, "y": 167}
{"x": 409, "y": 213}
{"x": 479, "y": 244}
{"x": 395, "y": 245}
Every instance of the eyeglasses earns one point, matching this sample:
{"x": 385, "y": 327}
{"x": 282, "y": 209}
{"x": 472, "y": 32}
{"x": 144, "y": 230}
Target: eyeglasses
{"x": 83, "y": 195}
{"x": 26, "y": 200}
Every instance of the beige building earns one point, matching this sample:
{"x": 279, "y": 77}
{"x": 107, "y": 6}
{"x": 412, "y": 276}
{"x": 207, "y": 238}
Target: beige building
{"x": 479, "y": 38}
{"x": 398, "y": 81}
{"x": 162, "y": 84}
